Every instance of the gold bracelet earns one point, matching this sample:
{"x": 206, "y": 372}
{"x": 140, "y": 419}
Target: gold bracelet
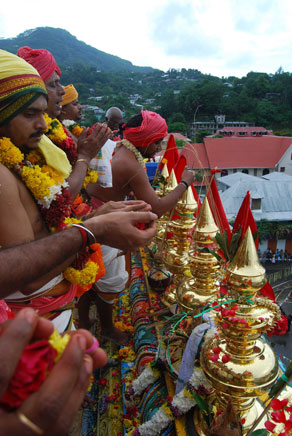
{"x": 83, "y": 160}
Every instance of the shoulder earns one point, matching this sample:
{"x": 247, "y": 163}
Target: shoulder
{"x": 124, "y": 160}
{"x": 6, "y": 177}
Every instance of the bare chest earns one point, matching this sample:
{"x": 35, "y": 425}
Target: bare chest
{"x": 32, "y": 211}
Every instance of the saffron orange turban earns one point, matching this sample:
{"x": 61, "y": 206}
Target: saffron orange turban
{"x": 152, "y": 129}
{"x": 20, "y": 85}
{"x": 70, "y": 95}
{"x": 41, "y": 59}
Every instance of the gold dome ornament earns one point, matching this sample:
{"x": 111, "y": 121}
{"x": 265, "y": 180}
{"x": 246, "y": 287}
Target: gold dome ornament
{"x": 163, "y": 223}
{"x": 237, "y": 362}
{"x": 194, "y": 292}
{"x": 175, "y": 253}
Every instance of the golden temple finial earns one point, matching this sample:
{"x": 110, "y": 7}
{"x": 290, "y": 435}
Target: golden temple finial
{"x": 172, "y": 182}
{"x": 205, "y": 226}
{"x": 165, "y": 172}
{"x": 246, "y": 262}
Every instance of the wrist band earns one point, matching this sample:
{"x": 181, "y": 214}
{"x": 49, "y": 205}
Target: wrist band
{"x": 83, "y": 160}
{"x": 90, "y": 238}
{"x": 83, "y": 234}
{"x": 90, "y": 235}
{"x": 184, "y": 183}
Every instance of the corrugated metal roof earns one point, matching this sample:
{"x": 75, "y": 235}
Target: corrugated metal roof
{"x": 276, "y": 199}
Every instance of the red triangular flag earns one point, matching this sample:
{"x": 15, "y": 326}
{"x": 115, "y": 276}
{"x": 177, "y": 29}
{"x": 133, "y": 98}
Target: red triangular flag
{"x": 216, "y": 207}
{"x": 268, "y": 292}
{"x": 245, "y": 219}
{"x": 179, "y": 167}
{"x": 170, "y": 154}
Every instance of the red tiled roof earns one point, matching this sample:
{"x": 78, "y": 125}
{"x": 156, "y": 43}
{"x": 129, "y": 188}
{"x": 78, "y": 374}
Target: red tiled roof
{"x": 196, "y": 156}
{"x": 264, "y": 152}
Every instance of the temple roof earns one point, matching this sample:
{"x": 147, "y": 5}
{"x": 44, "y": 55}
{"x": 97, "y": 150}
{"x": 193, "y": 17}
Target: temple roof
{"x": 225, "y": 153}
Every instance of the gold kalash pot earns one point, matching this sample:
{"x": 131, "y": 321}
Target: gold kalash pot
{"x": 246, "y": 365}
{"x": 175, "y": 252}
{"x": 194, "y": 292}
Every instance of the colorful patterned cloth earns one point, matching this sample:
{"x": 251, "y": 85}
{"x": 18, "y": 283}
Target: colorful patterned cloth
{"x": 20, "y": 85}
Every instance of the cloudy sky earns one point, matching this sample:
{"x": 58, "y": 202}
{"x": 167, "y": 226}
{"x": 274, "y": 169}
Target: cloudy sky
{"x": 220, "y": 37}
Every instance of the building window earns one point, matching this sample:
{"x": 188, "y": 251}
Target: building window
{"x": 266, "y": 171}
{"x": 282, "y": 169}
{"x": 255, "y": 172}
{"x": 224, "y": 173}
{"x": 256, "y": 203}
{"x": 245, "y": 171}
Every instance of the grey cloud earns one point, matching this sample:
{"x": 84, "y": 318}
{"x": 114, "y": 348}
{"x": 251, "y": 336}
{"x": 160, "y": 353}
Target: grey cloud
{"x": 177, "y": 30}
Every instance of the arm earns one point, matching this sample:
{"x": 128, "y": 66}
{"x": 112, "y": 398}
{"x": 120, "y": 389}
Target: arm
{"x": 88, "y": 147}
{"x": 35, "y": 259}
{"x": 139, "y": 184}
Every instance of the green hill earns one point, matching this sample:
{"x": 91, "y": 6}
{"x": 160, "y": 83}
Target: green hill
{"x": 68, "y": 50}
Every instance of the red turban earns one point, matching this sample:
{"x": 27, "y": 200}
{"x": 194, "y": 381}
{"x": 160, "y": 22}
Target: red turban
{"x": 41, "y": 59}
{"x": 152, "y": 129}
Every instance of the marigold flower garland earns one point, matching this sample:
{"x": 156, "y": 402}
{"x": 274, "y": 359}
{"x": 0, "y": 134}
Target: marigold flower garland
{"x": 53, "y": 197}
{"x": 59, "y": 135}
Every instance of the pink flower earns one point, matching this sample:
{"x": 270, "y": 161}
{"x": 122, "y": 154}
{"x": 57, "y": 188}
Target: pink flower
{"x": 214, "y": 357}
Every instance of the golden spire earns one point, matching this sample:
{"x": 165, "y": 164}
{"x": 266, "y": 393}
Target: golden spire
{"x": 165, "y": 172}
{"x": 246, "y": 262}
{"x": 205, "y": 226}
{"x": 172, "y": 182}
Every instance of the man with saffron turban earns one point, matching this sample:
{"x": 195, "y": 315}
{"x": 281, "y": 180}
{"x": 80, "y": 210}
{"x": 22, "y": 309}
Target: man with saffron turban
{"x": 71, "y": 108}
{"x": 34, "y": 197}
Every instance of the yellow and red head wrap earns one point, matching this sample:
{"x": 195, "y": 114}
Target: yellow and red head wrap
{"x": 41, "y": 59}
{"x": 20, "y": 85}
{"x": 152, "y": 129}
{"x": 70, "y": 95}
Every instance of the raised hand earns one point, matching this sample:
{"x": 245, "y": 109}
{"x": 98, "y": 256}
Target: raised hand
{"x": 188, "y": 176}
{"x": 89, "y": 145}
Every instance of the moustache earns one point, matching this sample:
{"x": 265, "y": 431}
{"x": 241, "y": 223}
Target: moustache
{"x": 36, "y": 134}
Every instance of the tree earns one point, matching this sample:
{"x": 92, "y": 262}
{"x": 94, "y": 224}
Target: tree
{"x": 177, "y": 127}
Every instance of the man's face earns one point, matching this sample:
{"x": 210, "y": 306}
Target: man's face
{"x": 26, "y": 129}
{"x": 55, "y": 94}
{"x": 114, "y": 121}
{"x": 152, "y": 149}
{"x": 72, "y": 111}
